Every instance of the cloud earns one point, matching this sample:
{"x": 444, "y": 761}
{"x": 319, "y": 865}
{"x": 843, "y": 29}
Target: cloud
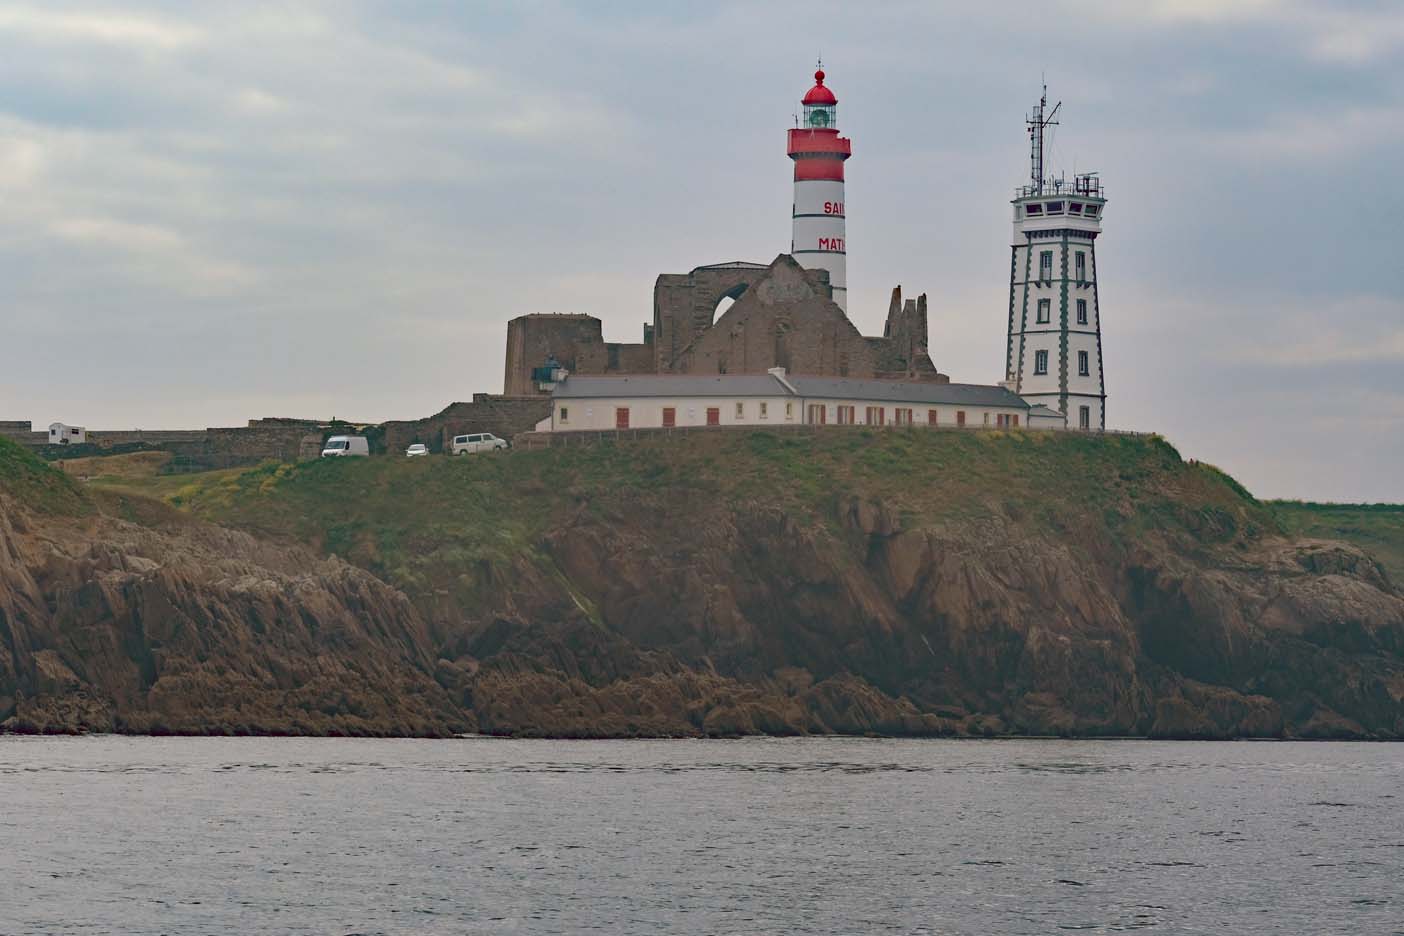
{"x": 1292, "y": 331}
{"x": 1311, "y": 137}
{"x": 115, "y": 29}
{"x": 110, "y": 233}
{"x": 1353, "y": 38}
{"x": 257, "y": 103}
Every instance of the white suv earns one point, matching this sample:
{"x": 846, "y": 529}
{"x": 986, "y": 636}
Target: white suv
{"x": 478, "y": 442}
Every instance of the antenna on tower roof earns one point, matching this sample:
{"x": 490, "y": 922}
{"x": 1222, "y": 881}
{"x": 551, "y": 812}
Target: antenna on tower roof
{"x": 1037, "y": 123}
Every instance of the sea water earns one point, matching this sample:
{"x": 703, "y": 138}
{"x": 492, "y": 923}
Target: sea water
{"x": 245, "y": 836}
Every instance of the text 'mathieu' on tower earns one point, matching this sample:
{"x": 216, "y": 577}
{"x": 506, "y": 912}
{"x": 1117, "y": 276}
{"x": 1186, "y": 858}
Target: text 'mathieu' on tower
{"x": 1054, "y": 352}
{"x": 819, "y": 153}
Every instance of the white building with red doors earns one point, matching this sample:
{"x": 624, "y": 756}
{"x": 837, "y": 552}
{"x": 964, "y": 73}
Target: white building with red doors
{"x": 597, "y": 403}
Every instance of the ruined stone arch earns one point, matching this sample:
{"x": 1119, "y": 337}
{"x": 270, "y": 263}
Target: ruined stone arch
{"x": 726, "y": 300}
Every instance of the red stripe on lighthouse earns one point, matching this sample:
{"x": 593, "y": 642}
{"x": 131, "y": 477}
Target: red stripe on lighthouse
{"x": 818, "y": 170}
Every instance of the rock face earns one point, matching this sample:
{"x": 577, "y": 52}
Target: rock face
{"x": 874, "y": 627}
{"x": 666, "y": 609}
{"x": 181, "y": 626}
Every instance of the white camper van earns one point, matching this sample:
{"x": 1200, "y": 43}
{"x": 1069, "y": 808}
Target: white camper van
{"x": 61, "y": 434}
{"x": 346, "y": 447}
{"x": 477, "y": 442}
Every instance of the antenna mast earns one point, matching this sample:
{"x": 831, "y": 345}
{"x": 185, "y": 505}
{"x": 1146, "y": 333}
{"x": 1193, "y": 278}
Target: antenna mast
{"x": 1037, "y": 122}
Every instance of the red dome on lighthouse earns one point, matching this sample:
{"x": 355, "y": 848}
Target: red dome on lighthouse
{"x": 819, "y": 96}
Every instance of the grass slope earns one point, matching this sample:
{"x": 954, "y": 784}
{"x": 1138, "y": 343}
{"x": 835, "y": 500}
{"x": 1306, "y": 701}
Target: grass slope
{"x": 1376, "y": 528}
{"x": 412, "y": 519}
{"x": 25, "y": 477}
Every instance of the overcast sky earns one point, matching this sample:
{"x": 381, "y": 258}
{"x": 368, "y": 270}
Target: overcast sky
{"x": 211, "y": 212}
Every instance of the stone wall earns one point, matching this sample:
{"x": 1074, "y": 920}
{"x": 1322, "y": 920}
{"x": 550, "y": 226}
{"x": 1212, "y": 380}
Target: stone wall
{"x": 576, "y": 342}
{"x": 503, "y": 416}
{"x": 106, "y": 438}
{"x": 787, "y": 319}
{"x": 288, "y": 442}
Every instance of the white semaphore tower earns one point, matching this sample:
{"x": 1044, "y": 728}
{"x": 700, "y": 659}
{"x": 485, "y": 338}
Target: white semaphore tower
{"x": 1054, "y": 352}
{"x": 818, "y": 210}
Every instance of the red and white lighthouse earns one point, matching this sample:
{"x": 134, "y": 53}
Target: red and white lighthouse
{"x": 819, "y": 152}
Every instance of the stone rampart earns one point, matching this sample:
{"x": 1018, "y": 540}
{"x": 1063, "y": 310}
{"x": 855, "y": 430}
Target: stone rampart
{"x": 287, "y": 442}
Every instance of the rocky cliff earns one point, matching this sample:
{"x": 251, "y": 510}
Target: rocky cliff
{"x": 894, "y": 582}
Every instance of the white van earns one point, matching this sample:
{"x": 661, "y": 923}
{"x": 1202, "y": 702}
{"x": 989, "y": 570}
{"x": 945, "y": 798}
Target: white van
{"x": 346, "y": 446}
{"x": 477, "y": 442}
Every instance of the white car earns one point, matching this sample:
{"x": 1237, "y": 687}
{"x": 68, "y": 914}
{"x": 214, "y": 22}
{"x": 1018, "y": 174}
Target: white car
{"x": 417, "y": 449}
{"x": 346, "y": 447}
{"x": 477, "y": 442}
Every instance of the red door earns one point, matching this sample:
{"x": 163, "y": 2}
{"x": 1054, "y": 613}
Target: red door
{"x": 960, "y": 418}
{"x": 670, "y": 417}
{"x": 931, "y": 417}
{"x": 714, "y": 415}
{"x": 621, "y": 417}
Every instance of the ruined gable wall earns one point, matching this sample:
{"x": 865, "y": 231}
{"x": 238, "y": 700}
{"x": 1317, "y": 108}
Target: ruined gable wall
{"x": 902, "y": 351}
{"x": 684, "y": 304}
{"x": 786, "y": 320}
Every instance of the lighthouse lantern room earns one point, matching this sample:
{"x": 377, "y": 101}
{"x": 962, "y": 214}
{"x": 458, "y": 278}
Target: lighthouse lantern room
{"x": 819, "y": 153}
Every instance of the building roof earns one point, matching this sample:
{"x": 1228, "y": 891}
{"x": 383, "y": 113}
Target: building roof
{"x": 577, "y": 387}
{"x": 1040, "y": 410}
{"x": 902, "y": 391}
{"x": 733, "y": 265}
{"x": 661, "y": 385}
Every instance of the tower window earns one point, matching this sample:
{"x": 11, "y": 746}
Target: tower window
{"x": 1055, "y": 207}
{"x": 1044, "y": 309}
{"x": 1033, "y": 209}
{"x": 1090, "y": 211}
{"x": 1082, "y": 311}
{"x": 1084, "y": 417}
{"x": 1080, "y": 264}
{"x": 1082, "y": 369}
{"x": 1045, "y": 265}
{"x": 1040, "y": 362}
{"x": 1074, "y": 207}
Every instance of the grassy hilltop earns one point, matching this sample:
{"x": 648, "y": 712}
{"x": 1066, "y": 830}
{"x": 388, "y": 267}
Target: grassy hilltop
{"x": 400, "y": 517}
